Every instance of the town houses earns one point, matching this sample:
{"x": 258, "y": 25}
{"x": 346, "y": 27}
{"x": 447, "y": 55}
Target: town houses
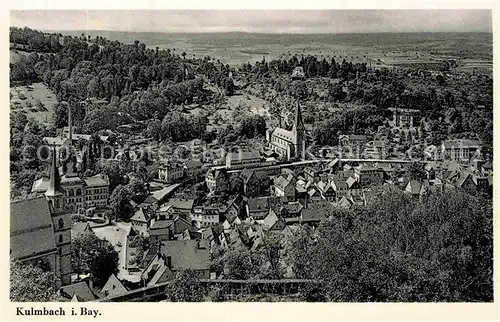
{"x": 193, "y": 208}
{"x": 269, "y": 173}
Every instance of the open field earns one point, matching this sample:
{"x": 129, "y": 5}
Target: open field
{"x": 254, "y": 104}
{"x": 15, "y": 55}
{"x": 381, "y": 49}
{"x": 36, "y": 101}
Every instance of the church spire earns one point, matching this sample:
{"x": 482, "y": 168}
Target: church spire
{"x": 298, "y": 124}
{"x": 54, "y": 188}
{"x": 299, "y": 134}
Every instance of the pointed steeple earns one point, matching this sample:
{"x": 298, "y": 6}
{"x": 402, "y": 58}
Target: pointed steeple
{"x": 298, "y": 124}
{"x": 299, "y": 134}
{"x": 54, "y": 188}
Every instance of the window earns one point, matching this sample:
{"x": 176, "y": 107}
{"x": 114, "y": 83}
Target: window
{"x": 60, "y": 238}
{"x": 71, "y": 193}
{"x": 61, "y": 223}
{"x": 78, "y": 192}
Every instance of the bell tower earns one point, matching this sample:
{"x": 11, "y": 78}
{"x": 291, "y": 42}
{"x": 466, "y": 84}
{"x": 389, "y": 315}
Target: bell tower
{"x": 61, "y": 222}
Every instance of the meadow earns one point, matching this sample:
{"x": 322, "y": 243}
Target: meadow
{"x": 36, "y": 101}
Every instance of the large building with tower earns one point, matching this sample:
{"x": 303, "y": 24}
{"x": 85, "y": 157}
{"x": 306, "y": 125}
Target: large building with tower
{"x": 79, "y": 193}
{"x": 40, "y": 231}
{"x": 289, "y": 145}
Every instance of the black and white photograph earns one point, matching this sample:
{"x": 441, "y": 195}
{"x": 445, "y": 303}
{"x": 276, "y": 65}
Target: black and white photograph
{"x": 250, "y": 156}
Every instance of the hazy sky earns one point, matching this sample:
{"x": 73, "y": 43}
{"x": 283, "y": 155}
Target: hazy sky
{"x": 268, "y": 21}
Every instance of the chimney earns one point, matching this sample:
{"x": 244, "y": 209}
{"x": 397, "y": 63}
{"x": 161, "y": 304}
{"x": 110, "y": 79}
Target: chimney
{"x": 70, "y": 125}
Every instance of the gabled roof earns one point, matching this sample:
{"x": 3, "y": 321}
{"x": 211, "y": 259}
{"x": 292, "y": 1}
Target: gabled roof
{"x": 80, "y": 289}
{"x": 187, "y": 254}
{"x": 97, "y": 181}
{"x": 351, "y": 182}
{"x": 270, "y": 219}
{"x": 246, "y": 175}
{"x": 311, "y": 192}
{"x": 300, "y": 188}
{"x": 290, "y": 230}
{"x": 324, "y": 186}
{"x": 339, "y": 184}
{"x": 160, "y": 227}
{"x": 415, "y": 187}
{"x": 344, "y": 174}
{"x": 257, "y": 204}
{"x": 181, "y": 203}
{"x": 31, "y": 229}
{"x": 283, "y": 181}
{"x": 71, "y": 179}
{"x": 283, "y": 134}
{"x": 180, "y": 224}
{"x": 315, "y": 213}
{"x": 293, "y": 207}
{"x": 193, "y": 164}
{"x": 76, "y": 298}
{"x": 140, "y": 215}
{"x": 235, "y": 202}
{"x": 346, "y": 202}
{"x": 243, "y": 155}
{"x": 161, "y": 194}
{"x": 112, "y": 287}
{"x": 41, "y": 185}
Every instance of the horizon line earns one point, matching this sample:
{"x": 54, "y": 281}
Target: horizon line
{"x": 253, "y": 32}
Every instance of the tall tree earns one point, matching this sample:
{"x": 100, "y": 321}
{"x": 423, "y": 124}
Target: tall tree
{"x": 29, "y": 283}
{"x": 94, "y": 255}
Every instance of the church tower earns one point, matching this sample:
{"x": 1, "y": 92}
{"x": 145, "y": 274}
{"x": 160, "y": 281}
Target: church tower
{"x": 61, "y": 222}
{"x": 299, "y": 134}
